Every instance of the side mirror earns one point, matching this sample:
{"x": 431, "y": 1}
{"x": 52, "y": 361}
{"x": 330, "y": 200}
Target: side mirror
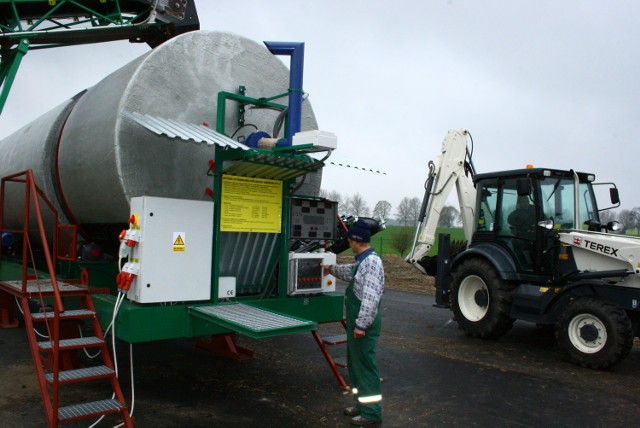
{"x": 615, "y": 196}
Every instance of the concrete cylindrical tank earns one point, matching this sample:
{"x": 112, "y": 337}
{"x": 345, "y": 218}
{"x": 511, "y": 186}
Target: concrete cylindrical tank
{"x": 90, "y": 159}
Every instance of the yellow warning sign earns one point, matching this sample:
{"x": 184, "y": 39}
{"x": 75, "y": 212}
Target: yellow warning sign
{"x": 179, "y": 242}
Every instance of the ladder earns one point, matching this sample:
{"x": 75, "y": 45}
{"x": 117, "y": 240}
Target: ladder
{"x": 334, "y": 363}
{"x": 59, "y": 338}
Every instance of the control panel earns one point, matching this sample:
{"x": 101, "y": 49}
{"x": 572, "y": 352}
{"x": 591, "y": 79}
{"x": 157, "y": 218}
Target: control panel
{"x": 306, "y": 276}
{"x": 313, "y": 219}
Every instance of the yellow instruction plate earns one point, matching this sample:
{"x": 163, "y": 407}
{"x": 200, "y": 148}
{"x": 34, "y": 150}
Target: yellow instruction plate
{"x": 251, "y": 205}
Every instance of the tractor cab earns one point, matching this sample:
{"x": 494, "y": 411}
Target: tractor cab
{"x": 521, "y": 211}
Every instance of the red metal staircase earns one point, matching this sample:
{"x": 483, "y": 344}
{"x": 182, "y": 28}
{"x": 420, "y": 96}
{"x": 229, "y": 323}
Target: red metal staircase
{"x": 54, "y": 352}
{"x": 334, "y": 363}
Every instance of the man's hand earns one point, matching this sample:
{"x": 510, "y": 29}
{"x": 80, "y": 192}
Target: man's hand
{"x": 358, "y": 334}
{"x": 325, "y": 269}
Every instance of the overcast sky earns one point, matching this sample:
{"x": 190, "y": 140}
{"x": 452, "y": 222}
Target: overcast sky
{"x": 549, "y": 83}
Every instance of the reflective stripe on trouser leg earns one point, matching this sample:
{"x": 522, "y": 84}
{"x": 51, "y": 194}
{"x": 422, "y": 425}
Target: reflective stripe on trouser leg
{"x": 370, "y": 399}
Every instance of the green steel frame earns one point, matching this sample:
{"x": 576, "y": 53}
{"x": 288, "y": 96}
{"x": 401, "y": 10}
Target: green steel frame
{"x": 243, "y": 101}
{"x": 37, "y": 24}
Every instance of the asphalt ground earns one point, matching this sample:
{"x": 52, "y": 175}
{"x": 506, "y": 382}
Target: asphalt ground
{"x": 433, "y": 375}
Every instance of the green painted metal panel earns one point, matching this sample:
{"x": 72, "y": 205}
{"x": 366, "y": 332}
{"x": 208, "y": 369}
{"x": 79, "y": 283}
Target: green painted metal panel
{"x": 12, "y": 271}
{"x": 137, "y": 323}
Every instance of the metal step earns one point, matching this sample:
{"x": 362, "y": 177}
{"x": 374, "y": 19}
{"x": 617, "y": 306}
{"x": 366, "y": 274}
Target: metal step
{"x": 335, "y": 340}
{"x": 36, "y": 287}
{"x": 76, "y": 313}
{"x": 88, "y": 410}
{"x": 79, "y": 375}
{"x": 340, "y": 362}
{"x": 80, "y": 342}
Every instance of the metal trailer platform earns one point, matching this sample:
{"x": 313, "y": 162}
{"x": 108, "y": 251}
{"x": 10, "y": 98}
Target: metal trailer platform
{"x": 251, "y": 321}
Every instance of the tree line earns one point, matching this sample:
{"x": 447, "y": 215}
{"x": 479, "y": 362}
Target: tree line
{"x": 406, "y": 213}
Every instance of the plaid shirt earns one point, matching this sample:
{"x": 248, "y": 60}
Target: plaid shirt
{"x": 368, "y": 285}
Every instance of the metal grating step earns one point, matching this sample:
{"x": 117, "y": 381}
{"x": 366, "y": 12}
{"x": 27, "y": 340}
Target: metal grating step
{"x": 340, "y": 362}
{"x": 76, "y": 313}
{"x": 45, "y": 286}
{"x": 87, "y": 410}
{"x": 80, "y": 342}
{"x": 76, "y": 375}
{"x": 335, "y": 340}
{"x": 252, "y": 321}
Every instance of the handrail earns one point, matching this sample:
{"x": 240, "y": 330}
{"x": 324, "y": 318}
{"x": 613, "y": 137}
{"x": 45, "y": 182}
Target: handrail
{"x": 32, "y": 196}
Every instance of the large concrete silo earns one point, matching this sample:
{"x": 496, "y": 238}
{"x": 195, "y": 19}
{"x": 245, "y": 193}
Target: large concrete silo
{"x": 90, "y": 159}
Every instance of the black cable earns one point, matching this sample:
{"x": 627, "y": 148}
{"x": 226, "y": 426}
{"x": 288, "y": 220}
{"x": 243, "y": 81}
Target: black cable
{"x": 302, "y": 181}
{"x": 279, "y": 121}
{"x": 243, "y": 126}
{"x": 472, "y": 168}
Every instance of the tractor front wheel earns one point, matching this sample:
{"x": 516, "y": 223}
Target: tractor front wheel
{"x": 596, "y": 334}
{"x": 481, "y": 300}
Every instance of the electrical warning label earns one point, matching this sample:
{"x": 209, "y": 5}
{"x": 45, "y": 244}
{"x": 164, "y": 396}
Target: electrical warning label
{"x": 250, "y": 205}
{"x": 179, "y": 239}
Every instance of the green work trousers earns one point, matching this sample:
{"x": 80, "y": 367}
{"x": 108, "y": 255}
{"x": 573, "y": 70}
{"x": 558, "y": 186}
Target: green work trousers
{"x": 361, "y": 359}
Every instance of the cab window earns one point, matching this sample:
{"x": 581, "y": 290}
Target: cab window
{"x": 558, "y": 202}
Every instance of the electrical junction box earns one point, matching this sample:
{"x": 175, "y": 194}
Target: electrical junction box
{"x": 174, "y": 252}
{"x": 306, "y": 276}
{"x": 319, "y": 139}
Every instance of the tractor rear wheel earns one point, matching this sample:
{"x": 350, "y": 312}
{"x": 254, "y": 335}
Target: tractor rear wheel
{"x": 596, "y": 334}
{"x": 481, "y": 300}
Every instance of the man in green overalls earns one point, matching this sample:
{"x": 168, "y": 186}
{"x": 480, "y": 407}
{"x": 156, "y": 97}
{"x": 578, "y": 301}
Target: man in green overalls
{"x": 364, "y": 321}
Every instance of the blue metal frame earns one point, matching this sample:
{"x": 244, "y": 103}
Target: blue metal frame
{"x": 296, "y": 51}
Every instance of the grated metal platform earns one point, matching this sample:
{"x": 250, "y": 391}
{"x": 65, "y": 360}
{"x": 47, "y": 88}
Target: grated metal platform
{"x": 37, "y": 286}
{"x": 251, "y": 321}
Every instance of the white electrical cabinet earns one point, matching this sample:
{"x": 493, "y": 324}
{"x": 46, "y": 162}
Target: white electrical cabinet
{"x": 306, "y": 276}
{"x": 174, "y": 252}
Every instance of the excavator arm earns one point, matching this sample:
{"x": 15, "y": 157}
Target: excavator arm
{"x": 451, "y": 168}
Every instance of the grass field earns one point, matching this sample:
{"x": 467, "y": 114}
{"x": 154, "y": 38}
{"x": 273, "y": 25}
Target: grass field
{"x": 383, "y": 241}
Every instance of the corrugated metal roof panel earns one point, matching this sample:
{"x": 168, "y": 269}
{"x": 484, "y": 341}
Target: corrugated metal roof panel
{"x": 185, "y": 131}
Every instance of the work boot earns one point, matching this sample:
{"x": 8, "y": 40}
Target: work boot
{"x": 351, "y": 411}
{"x": 364, "y": 422}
